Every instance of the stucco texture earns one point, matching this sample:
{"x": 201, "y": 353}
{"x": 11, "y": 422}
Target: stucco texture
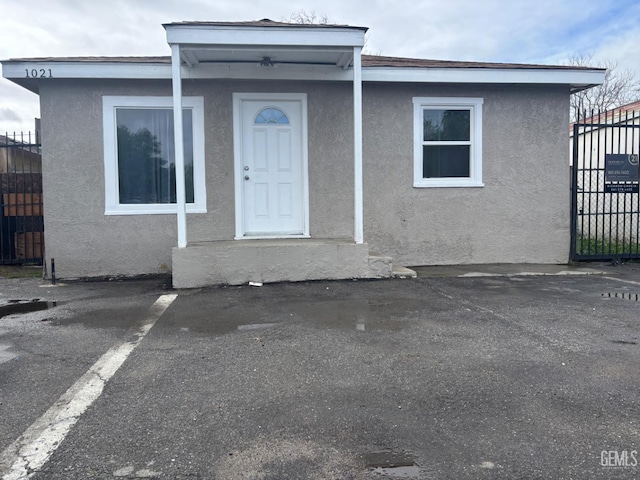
{"x": 521, "y": 215}
{"x": 86, "y": 243}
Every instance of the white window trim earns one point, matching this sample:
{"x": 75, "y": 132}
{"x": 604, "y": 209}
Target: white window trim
{"x": 474, "y": 105}
{"x": 112, "y": 203}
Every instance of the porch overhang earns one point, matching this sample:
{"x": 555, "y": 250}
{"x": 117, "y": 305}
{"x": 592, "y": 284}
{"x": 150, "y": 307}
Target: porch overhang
{"x": 264, "y": 43}
{"x": 258, "y": 47}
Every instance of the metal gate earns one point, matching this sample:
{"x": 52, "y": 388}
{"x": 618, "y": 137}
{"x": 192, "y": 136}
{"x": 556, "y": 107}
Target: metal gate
{"x": 605, "y": 203}
{"x": 21, "y": 221}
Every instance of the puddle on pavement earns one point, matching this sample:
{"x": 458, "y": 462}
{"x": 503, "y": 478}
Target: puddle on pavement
{"x": 15, "y": 307}
{"x": 220, "y": 321}
{"x": 393, "y": 465}
{"x": 120, "y": 317}
{"x": 358, "y": 314}
{"x": 388, "y": 459}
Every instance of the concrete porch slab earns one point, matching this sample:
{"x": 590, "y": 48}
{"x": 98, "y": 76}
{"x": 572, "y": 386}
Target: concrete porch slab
{"x": 399, "y": 271}
{"x": 271, "y": 260}
{"x": 503, "y": 270}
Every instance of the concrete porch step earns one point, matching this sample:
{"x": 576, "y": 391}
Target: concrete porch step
{"x": 237, "y": 262}
{"x": 380, "y": 266}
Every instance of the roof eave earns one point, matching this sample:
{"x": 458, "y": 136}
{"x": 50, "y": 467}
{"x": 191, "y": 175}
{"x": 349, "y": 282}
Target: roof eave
{"x": 575, "y": 79}
{"x": 19, "y": 72}
{"x": 301, "y": 36}
{"x": 30, "y": 73}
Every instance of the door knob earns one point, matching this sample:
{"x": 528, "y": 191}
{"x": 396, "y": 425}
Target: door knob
{"x": 246, "y": 167}
{"x": 246, "y": 177}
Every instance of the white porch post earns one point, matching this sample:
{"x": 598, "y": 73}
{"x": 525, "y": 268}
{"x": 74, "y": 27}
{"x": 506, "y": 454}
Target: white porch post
{"x": 181, "y": 202}
{"x": 358, "y": 214}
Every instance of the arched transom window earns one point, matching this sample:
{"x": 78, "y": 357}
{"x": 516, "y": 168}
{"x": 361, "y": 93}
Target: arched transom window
{"x": 272, "y": 115}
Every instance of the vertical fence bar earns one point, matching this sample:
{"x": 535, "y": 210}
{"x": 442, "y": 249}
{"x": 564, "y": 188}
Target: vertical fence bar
{"x": 607, "y": 213}
{"x": 574, "y": 191}
{"x": 589, "y": 190}
{"x": 602, "y": 189}
{"x": 598, "y": 189}
{"x": 13, "y": 203}
{"x": 4, "y": 142}
{"x": 618, "y": 129}
{"x": 21, "y": 238}
{"x": 588, "y": 140}
{"x": 636, "y": 149}
{"x": 581, "y": 166}
{"x": 29, "y": 221}
{"x": 625, "y": 129}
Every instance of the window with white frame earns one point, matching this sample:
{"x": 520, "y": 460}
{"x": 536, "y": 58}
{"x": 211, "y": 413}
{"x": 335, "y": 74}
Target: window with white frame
{"x": 447, "y": 142}
{"x": 139, "y": 155}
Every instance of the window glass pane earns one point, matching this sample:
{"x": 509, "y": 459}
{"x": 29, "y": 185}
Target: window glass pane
{"x": 446, "y": 125}
{"x": 146, "y": 168}
{"x": 439, "y": 161}
{"x": 272, "y": 115}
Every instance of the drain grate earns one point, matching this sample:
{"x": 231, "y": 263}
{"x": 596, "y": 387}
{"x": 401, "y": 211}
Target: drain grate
{"x": 627, "y": 296}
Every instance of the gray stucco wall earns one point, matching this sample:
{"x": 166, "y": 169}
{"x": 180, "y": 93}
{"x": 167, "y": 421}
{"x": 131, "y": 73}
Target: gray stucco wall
{"x": 85, "y": 242}
{"x": 521, "y": 215}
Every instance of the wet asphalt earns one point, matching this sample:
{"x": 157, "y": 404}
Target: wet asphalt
{"x": 430, "y": 378}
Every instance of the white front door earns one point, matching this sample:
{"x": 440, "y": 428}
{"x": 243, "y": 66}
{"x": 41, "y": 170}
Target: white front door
{"x": 271, "y": 164}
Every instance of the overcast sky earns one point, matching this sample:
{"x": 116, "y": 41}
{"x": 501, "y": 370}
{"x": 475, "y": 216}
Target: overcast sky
{"x": 525, "y": 31}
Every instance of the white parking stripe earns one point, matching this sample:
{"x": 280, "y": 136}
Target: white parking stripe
{"x": 622, "y": 280}
{"x": 24, "y": 457}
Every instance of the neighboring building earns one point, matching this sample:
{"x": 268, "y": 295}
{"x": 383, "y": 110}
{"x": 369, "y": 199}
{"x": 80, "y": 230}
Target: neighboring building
{"x": 301, "y": 157}
{"x": 595, "y": 138}
{"x": 19, "y": 155}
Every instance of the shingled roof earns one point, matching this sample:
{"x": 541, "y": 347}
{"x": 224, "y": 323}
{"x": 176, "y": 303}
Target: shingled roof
{"x": 265, "y": 22}
{"x": 367, "y": 61}
{"x": 380, "y": 61}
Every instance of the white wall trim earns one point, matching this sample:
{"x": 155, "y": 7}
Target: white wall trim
{"x": 474, "y": 105}
{"x": 484, "y": 75}
{"x": 181, "y": 203}
{"x": 238, "y": 98}
{"x": 16, "y": 71}
{"x": 358, "y": 181}
{"x": 109, "y": 106}
{"x": 280, "y": 36}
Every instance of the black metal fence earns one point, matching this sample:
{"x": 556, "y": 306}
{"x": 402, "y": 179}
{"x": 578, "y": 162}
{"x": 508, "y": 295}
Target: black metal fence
{"x": 605, "y": 203}
{"x": 21, "y": 225}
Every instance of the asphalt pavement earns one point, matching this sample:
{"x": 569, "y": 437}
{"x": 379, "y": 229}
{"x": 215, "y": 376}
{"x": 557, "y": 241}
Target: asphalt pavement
{"x": 441, "y": 377}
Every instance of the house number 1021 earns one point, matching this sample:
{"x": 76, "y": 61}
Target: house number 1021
{"x": 38, "y": 73}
